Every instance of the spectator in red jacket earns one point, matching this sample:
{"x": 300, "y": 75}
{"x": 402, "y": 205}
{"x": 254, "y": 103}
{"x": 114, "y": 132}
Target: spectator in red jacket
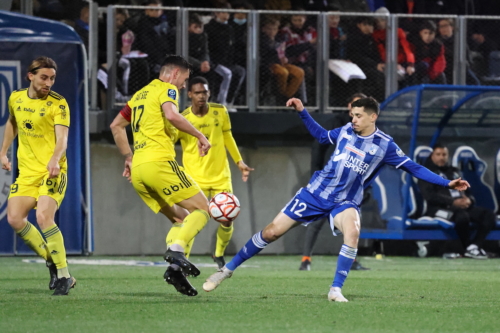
{"x": 430, "y": 61}
{"x": 406, "y": 59}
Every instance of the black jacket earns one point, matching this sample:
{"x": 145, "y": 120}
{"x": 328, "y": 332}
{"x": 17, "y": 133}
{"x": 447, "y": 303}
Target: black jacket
{"x": 439, "y": 197}
{"x": 362, "y": 50}
{"x": 198, "y": 49}
{"x": 240, "y": 43}
{"x": 154, "y": 37}
{"x": 220, "y": 43}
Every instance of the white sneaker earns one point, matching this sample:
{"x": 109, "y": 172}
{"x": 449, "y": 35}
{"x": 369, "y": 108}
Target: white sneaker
{"x": 215, "y": 279}
{"x": 335, "y": 295}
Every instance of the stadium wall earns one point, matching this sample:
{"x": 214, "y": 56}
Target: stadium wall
{"x": 124, "y": 225}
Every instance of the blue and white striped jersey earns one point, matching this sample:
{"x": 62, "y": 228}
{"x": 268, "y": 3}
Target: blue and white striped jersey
{"x": 356, "y": 162}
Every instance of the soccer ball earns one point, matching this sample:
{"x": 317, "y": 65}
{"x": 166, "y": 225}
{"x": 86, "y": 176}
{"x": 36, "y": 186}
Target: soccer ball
{"x": 224, "y": 207}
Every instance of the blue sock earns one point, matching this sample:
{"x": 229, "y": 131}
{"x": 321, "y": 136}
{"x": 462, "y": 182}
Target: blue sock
{"x": 251, "y": 248}
{"x": 346, "y": 258}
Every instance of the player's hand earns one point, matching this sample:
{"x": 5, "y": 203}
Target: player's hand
{"x": 5, "y": 163}
{"x": 245, "y": 170}
{"x": 53, "y": 168}
{"x": 203, "y": 145}
{"x": 295, "y": 103}
{"x": 459, "y": 184}
{"x": 127, "y": 171}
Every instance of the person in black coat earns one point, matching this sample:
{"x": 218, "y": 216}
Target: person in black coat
{"x": 457, "y": 207}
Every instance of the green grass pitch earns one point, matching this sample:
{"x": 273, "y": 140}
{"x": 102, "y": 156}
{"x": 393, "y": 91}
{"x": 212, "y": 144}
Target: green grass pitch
{"x": 397, "y": 295}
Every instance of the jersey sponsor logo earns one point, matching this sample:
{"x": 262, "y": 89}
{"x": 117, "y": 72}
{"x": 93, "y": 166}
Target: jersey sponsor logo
{"x": 62, "y": 107}
{"x": 49, "y": 103}
{"x": 28, "y": 124}
{"x": 20, "y": 100}
{"x": 139, "y": 146}
{"x": 356, "y": 165}
{"x": 63, "y": 114}
{"x": 216, "y": 113}
{"x": 373, "y": 149}
{"x": 339, "y": 157}
{"x": 355, "y": 150}
{"x": 29, "y": 110}
{"x": 400, "y": 153}
{"x": 18, "y": 108}
{"x": 204, "y": 125}
{"x": 42, "y": 112}
{"x": 172, "y": 94}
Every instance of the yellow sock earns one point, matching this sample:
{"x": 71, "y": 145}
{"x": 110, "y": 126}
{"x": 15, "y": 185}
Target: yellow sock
{"x": 55, "y": 243}
{"x": 191, "y": 226}
{"x": 172, "y": 234}
{"x": 33, "y": 238}
{"x": 188, "y": 248}
{"x": 224, "y": 235}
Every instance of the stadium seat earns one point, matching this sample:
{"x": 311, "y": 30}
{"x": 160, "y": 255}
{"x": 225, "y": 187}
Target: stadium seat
{"x": 387, "y": 189}
{"x": 473, "y": 169}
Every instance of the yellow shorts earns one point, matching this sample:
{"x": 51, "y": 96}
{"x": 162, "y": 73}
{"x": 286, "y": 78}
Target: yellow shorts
{"x": 210, "y": 191}
{"x": 36, "y": 186}
{"x": 162, "y": 183}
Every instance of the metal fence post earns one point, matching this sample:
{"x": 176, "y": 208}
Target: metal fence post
{"x": 111, "y": 62}
{"x": 460, "y": 50}
{"x": 93, "y": 60}
{"x": 391, "y": 61}
{"x": 182, "y": 46}
{"x": 27, "y": 7}
{"x": 323, "y": 86}
{"x": 252, "y": 61}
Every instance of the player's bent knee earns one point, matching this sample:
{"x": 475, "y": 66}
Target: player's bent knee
{"x": 16, "y": 221}
{"x": 44, "y": 219}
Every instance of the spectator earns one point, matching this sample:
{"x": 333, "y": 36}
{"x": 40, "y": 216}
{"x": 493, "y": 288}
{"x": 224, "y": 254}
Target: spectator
{"x": 409, "y": 24}
{"x": 459, "y": 206}
{"x": 154, "y": 36}
{"x": 198, "y": 46}
{"x": 445, "y": 29}
{"x": 273, "y": 60}
{"x": 301, "y": 47}
{"x": 240, "y": 27}
{"x": 337, "y": 38}
{"x": 429, "y": 55}
{"x": 221, "y": 41}
{"x": 362, "y": 50}
{"x": 481, "y": 43}
{"x": 406, "y": 59}
{"x": 82, "y": 25}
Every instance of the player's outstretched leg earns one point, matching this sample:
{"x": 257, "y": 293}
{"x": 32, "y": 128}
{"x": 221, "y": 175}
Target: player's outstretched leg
{"x": 224, "y": 234}
{"x": 281, "y": 224}
{"x": 179, "y": 281}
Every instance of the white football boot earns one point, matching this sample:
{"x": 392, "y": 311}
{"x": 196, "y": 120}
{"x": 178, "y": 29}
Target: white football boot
{"x": 215, "y": 279}
{"x": 335, "y": 295}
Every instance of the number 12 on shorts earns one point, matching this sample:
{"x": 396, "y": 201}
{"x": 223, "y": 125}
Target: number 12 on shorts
{"x": 300, "y": 208}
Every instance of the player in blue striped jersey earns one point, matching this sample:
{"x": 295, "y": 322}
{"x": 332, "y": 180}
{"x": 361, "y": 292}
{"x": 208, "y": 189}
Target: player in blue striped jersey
{"x": 336, "y": 191}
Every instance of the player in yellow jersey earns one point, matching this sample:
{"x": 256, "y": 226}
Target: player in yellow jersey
{"x": 41, "y": 119}
{"x": 211, "y": 172}
{"x": 157, "y": 178}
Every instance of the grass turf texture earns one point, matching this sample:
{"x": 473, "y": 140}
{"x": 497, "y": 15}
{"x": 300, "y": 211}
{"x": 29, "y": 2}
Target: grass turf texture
{"x": 397, "y": 295}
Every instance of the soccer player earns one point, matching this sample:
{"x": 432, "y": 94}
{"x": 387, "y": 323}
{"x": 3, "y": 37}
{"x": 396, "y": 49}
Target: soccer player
{"x": 337, "y": 190}
{"x": 41, "y": 118}
{"x": 160, "y": 182}
{"x": 211, "y": 172}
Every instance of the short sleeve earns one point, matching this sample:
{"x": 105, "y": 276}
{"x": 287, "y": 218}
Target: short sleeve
{"x": 395, "y": 156}
{"x": 61, "y": 116}
{"x": 171, "y": 94}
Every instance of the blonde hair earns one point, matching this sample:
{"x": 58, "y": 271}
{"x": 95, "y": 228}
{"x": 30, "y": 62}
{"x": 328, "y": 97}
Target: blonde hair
{"x": 38, "y": 63}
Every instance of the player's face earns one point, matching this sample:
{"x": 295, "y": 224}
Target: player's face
{"x": 349, "y": 105}
{"x": 362, "y": 122}
{"x": 298, "y": 21}
{"x": 180, "y": 76}
{"x": 199, "y": 94}
{"x": 271, "y": 30}
{"x": 440, "y": 156}
{"x": 153, "y": 11}
{"x": 427, "y": 36}
{"x": 42, "y": 81}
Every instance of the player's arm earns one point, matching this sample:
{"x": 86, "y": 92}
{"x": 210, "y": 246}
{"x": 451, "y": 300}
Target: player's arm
{"x": 61, "y": 145}
{"x": 8, "y": 136}
{"x": 118, "y": 128}
{"x": 231, "y": 146}
{"x": 319, "y": 133}
{"x": 182, "y": 124}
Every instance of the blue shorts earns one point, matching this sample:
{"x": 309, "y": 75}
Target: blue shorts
{"x": 305, "y": 207}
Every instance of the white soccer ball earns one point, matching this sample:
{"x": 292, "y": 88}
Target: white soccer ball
{"x": 224, "y": 207}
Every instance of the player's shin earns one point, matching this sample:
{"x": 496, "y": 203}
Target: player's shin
{"x": 344, "y": 262}
{"x": 224, "y": 235}
{"x": 251, "y": 248}
{"x": 192, "y": 225}
{"x": 55, "y": 244}
{"x": 32, "y": 237}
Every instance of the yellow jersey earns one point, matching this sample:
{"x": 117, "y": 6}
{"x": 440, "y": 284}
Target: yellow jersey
{"x": 35, "y": 120}
{"x": 212, "y": 169}
{"x": 154, "y": 135}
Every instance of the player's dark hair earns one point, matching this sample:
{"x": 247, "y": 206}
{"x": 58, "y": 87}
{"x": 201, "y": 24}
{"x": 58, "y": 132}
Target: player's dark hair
{"x": 38, "y": 63}
{"x": 195, "y": 19}
{"x": 439, "y": 145}
{"x": 197, "y": 80}
{"x": 369, "y": 105}
{"x": 355, "y": 96}
{"x": 176, "y": 61}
